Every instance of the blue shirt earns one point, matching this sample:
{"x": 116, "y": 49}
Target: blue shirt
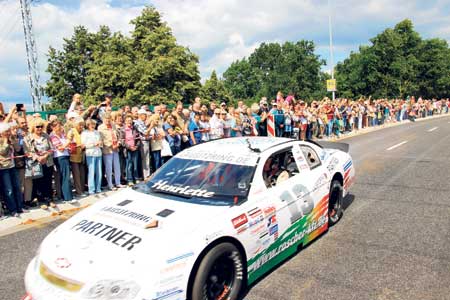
{"x": 197, "y": 134}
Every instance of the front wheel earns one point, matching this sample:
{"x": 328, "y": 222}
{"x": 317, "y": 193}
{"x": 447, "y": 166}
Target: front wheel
{"x": 335, "y": 210}
{"x": 220, "y": 274}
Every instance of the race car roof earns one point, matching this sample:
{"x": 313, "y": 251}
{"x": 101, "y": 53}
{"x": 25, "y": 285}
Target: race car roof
{"x": 239, "y": 150}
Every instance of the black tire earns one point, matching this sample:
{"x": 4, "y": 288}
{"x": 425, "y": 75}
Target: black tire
{"x": 220, "y": 274}
{"x": 335, "y": 210}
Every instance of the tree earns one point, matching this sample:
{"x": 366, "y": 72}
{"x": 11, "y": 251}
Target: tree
{"x": 148, "y": 67}
{"x": 398, "y": 63}
{"x": 214, "y": 90}
{"x": 272, "y": 67}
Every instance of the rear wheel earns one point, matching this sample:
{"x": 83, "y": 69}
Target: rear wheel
{"x": 220, "y": 274}
{"x": 335, "y": 210}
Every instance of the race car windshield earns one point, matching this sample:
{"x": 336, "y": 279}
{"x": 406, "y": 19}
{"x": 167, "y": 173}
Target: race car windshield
{"x": 203, "y": 182}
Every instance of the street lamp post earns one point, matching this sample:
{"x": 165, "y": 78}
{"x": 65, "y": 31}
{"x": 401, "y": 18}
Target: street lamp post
{"x": 331, "y": 44}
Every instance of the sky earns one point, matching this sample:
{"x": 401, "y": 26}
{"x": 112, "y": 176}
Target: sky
{"x": 218, "y": 31}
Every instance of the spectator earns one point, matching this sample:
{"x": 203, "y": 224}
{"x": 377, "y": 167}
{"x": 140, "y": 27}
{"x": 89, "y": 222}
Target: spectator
{"x": 62, "y": 158}
{"x": 110, "y": 141}
{"x": 131, "y": 144}
{"x": 25, "y": 183}
{"x": 195, "y": 132}
{"x": 8, "y": 174}
{"x": 76, "y": 156}
{"x": 141, "y": 125}
{"x": 91, "y": 140}
{"x": 173, "y": 134}
{"x": 216, "y": 125}
{"x": 157, "y": 135}
{"x": 204, "y": 126}
{"x": 39, "y": 148}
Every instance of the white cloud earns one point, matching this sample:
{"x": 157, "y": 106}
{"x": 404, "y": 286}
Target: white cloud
{"x": 219, "y": 31}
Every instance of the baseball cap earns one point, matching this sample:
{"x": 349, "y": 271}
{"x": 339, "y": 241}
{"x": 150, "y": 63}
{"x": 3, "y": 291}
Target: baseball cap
{"x": 223, "y": 104}
{"x": 142, "y": 112}
{"x": 108, "y": 95}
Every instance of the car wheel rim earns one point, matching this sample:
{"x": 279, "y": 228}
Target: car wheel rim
{"x": 219, "y": 281}
{"x": 335, "y": 205}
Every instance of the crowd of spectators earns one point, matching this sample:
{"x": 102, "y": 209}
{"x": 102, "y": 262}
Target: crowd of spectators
{"x": 43, "y": 162}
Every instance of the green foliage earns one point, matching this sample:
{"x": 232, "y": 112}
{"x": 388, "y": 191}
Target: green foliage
{"x": 290, "y": 67}
{"x": 398, "y": 63}
{"x": 214, "y": 90}
{"x": 148, "y": 67}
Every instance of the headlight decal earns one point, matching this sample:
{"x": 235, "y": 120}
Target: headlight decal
{"x": 66, "y": 284}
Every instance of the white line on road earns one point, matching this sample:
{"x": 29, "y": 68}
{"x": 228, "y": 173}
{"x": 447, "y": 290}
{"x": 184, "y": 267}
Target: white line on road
{"x": 433, "y": 129}
{"x": 395, "y": 146}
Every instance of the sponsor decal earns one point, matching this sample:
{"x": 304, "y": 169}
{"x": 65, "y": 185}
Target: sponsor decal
{"x": 125, "y": 202}
{"x": 127, "y": 213}
{"x": 254, "y": 222}
{"x": 270, "y": 210}
{"x": 173, "y": 267}
{"x": 227, "y": 157}
{"x": 271, "y": 220}
{"x": 321, "y": 181}
{"x": 108, "y": 233}
{"x": 165, "y": 212}
{"x": 254, "y": 212}
{"x": 167, "y": 293}
{"x": 258, "y": 229}
{"x": 62, "y": 263}
{"x": 241, "y": 230}
{"x": 332, "y": 165}
{"x": 239, "y": 221}
{"x": 183, "y": 190}
{"x": 182, "y": 256}
{"x": 285, "y": 244}
{"x": 348, "y": 164}
{"x": 274, "y": 231}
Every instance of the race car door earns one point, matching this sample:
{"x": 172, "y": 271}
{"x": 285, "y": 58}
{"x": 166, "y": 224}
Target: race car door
{"x": 287, "y": 183}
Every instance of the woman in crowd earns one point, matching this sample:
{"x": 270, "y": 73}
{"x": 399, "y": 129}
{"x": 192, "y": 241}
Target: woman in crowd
{"x": 91, "y": 140}
{"x": 110, "y": 142}
{"x": 235, "y": 123}
{"x": 117, "y": 118}
{"x": 62, "y": 158}
{"x": 156, "y": 135}
{"x": 39, "y": 148}
{"x": 131, "y": 143}
{"x": 76, "y": 156}
{"x": 8, "y": 173}
{"x": 195, "y": 133}
{"x": 204, "y": 125}
{"x": 173, "y": 133}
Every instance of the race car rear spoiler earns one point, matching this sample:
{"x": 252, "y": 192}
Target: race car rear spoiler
{"x": 332, "y": 145}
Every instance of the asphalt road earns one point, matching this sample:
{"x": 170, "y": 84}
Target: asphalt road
{"x": 393, "y": 242}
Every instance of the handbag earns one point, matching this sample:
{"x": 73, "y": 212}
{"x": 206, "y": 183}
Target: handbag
{"x": 166, "y": 151}
{"x": 33, "y": 169}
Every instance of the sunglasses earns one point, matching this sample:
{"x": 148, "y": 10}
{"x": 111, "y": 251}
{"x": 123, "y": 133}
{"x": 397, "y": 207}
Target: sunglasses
{"x": 40, "y": 126}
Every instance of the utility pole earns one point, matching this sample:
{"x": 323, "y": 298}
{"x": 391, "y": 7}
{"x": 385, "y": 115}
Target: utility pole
{"x": 32, "y": 57}
{"x": 331, "y": 44}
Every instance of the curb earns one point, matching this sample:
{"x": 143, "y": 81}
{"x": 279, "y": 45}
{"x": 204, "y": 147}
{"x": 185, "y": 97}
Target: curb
{"x": 384, "y": 126}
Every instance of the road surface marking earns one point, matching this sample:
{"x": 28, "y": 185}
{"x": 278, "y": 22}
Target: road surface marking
{"x": 433, "y": 129}
{"x": 395, "y": 146}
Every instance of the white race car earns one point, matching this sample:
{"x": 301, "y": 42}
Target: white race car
{"x": 210, "y": 222}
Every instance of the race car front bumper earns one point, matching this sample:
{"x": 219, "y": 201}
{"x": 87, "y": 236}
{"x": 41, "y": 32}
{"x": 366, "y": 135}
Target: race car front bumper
{"x": 38, "y": 288}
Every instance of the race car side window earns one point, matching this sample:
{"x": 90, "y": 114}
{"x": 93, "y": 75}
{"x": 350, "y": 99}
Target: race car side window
{"x": 311, "y": 156}
{"x": 279, "y": 167}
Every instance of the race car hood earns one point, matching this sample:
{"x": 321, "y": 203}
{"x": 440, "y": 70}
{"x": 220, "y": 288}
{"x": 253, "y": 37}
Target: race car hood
{"x": 124, "y": 235}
